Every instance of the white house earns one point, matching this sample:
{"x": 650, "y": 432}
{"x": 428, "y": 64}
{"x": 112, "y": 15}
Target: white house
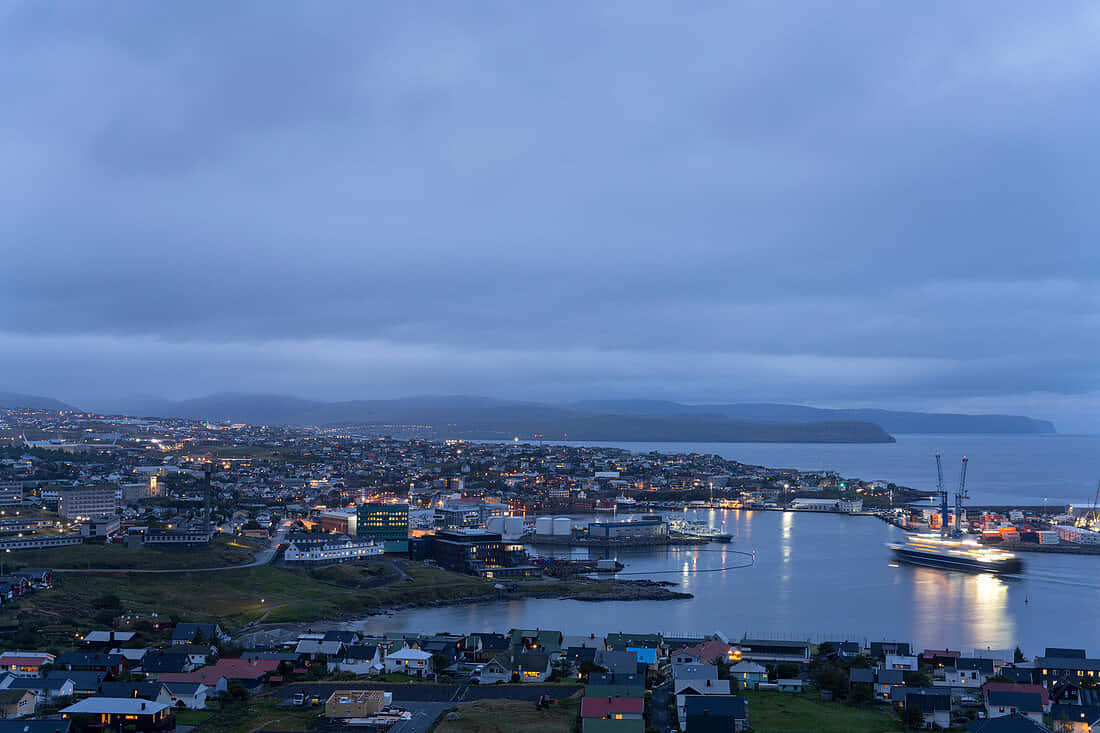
{"x": 361, "y": 659}
{"x": 192, "y": 694}
{"x": 896, "y": 661}
{"x": 412, "y": 662}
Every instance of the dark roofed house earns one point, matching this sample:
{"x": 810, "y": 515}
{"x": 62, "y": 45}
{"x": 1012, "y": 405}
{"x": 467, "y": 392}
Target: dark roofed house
{"x": 1078, "y": 669}
{"x": 861, "y": 675}
{"x": 188, "y": 633}
{"x": 716, "y": 713}
{"x": 1064, "y": 653}
{"x": 153, "y": 691}
{"x": 939, "y": 657}
{"x": 879, "y": 649}
{"x": 109, "y": 664}
{"x": 1075, "y": 717}
{"x": 1015, "y": 723}
{"x": 84, "y": 682}
{"x": 1021, "y": 675}
{"x": 775, "y": 650}
{"x": 935, "y": 705}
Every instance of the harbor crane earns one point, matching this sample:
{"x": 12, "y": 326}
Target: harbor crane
{"x": 1092, "y": 517}
{"x": 960, "y": 497}
{"x": 941, "y": 491}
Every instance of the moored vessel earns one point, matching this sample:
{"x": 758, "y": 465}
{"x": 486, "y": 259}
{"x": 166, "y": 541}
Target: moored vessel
{"x": 955, "y": 554}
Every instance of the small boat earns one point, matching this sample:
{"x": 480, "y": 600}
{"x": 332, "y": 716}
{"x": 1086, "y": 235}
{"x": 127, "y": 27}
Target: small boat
{"x": 624, "y": 499}
{"x": 955, "y": 554}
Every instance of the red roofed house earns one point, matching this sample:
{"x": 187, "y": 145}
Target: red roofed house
{"x": 1013, "y": 687}
{"x": 709, "y": 652}
{"x": 615, "y": 708}
{"x": 250, "y": 672}
{"x": 25, "y": 664}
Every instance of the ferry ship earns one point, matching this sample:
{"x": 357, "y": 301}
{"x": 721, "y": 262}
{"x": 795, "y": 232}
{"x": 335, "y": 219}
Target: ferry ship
{"x": 698, "y": 530}
{"x": 936, "y": 551}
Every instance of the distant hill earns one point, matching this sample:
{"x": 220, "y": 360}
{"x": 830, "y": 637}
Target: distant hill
{"x": 33, "y": 402}
{"x": 890, "y": 420}
{"x": 491, "y": 419}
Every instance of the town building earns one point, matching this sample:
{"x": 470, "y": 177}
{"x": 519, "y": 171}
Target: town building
{"x": 87, "y": 502}
{"x": 385, "y": 523}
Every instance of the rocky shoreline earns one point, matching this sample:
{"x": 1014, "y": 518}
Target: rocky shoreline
{"x": 621, "y": 590}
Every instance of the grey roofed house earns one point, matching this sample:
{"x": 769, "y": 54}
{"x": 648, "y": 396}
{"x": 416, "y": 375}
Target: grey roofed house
{"x": 1014, "y": 723}
{"x": 532, "y": 662}
{"x": 617, "y": 661}
{"x": 319, "y": 648}
{"x": 861, "y": 674}
{"x": 695, "y": 671}
{"x": 109, "y": 637}
{"x": 890, "y": 676}
{"x": 35, "y": 725}
{"x": 114, "y": 706}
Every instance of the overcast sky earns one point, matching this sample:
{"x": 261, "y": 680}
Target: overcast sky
{"x": 892, "y": 204}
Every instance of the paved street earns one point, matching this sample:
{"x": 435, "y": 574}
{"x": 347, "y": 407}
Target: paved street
{"x": 435, "y": 692}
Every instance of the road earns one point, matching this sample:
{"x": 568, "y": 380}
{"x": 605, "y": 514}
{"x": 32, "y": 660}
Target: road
{"x": 660, "y": 718}
{"x": 263, "y": 557}
{"x": 435, "y": 692}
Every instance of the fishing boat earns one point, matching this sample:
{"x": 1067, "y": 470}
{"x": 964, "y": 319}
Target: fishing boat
{"x": 694, "y": 529}
{"x": 955, "y": 554}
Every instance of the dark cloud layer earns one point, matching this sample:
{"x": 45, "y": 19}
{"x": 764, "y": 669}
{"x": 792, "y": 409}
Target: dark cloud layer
{"x": 864, "y": 204}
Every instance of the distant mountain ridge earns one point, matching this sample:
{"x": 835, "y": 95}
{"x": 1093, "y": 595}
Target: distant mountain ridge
{"x": 892, "y": 421}
{"x": 12, "y": 400}
{"x": 492, "y": 419}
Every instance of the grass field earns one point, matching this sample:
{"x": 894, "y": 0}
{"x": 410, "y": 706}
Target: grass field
{"x": 271, "y": 593}
{"x": 779, "y": 712}
{"x": 224, "y": 550}
{"x": 508, "y": 716}
{"x": 261, "y": 713}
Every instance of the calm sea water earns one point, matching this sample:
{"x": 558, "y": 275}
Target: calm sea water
{"x": 819, "y": 576}
{"x": 815, "y": 576}
{"x": 1014, "y": 469}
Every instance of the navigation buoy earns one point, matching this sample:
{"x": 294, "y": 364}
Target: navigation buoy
{"x": 1026, "y": 601}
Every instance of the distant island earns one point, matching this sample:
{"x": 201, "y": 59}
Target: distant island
{"x": 482, "y": 418}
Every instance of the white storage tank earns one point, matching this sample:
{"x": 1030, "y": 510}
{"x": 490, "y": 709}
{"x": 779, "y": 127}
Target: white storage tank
{"x": 513, "y": 526}
{"x": 495, "y": 524}
{"x": 563, "y": 526}
{"x": 544, "y": 525}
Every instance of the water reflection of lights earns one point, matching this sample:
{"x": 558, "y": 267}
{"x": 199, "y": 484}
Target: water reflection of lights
{"x": 978, "y": 603}
{"x": 785, "y": 536}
